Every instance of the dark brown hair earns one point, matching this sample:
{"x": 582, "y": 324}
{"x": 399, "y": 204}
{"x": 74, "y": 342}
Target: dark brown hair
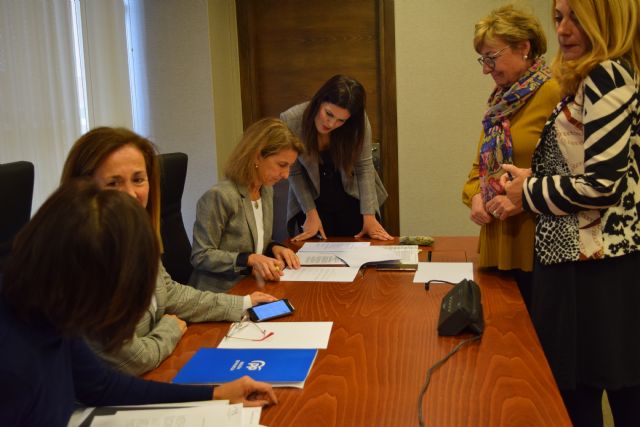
{"x": 92, "y": 148}
{"x": 86, "y": 262}
{"x": 345, "y": 141}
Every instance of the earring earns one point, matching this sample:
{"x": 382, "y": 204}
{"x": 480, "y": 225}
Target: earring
{"x": 525, "y": 57}
{"x": 256, "y": 166}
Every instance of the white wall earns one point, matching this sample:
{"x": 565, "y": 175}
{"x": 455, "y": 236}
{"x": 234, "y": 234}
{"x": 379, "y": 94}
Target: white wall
{"x": 179, "y": 93}
{"x": 441, "y": 97}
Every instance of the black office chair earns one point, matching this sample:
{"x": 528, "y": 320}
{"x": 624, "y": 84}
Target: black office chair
{"x": 16, "y": 193}
{"x": 177, "y": 247}
{"x": 280, "y": 200}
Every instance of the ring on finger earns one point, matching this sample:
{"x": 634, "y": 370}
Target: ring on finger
{"x": 495, "y": 214}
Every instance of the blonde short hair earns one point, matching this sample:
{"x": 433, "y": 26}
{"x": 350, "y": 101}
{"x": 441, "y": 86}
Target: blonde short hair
{"x": 265, "y": 137}
{"x": 514, "y": 26}
{"x": 613, "y": 30}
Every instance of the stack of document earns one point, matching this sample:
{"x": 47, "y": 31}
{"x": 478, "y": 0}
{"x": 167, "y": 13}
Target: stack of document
{"x": 201, "y": 414}
{"x": 283, "y": 359}
{"x": 319, "y": 260}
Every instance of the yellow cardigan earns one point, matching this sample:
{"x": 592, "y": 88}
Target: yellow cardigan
{"x": 509, "y": 244}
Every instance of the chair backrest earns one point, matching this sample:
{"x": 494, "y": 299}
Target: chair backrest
{"x": 16, "y": 194}
{"x": 177, "y": 248}
{"x": 280, "y": 201}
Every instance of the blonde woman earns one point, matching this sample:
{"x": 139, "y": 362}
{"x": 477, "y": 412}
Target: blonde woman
{"x": 585, "y": 188}
{"x": 511, "y": 43}
{"x": 234, "y": 219}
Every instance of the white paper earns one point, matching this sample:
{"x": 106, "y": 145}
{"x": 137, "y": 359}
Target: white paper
{"x": 320, "y": 274}
{"x": 356, "y": 258}
{"x": 452, "y": 272}
{"x": 285, "y": 335}
{"x": 408, "y": 253}
{"x": 319, "y": 258}
{"x": 200, "y": 416}
{"x": 332, "y": 246}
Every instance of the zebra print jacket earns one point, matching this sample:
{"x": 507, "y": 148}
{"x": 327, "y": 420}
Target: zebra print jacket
{"x": 586, "y": 180}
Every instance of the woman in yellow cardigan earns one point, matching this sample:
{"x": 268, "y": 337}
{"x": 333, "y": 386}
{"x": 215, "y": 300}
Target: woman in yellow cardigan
{"x": 511, "y": 43}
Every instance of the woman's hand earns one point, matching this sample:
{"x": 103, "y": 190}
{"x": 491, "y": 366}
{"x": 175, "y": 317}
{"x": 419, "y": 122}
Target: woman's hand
{"x": 312, "y": 226}
{"x": 286, "y": 256}
{"x": 501, "y": 207}
{"x": 513, "y": 182}
{"x": 181, "y": 323}
{"x": 479, "y": 214}
{"x": 372, "y": 228}
{"x": 266, "y": 267}
{"x": 258, "y": 297}
{"x": 246, "y": 391}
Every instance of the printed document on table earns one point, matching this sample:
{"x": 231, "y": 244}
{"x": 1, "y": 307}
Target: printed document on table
{"x": 408, "y": 253}
{"x": 320, "y": 274}
{"x": 356, "y": 258}
{"x": 285, "y": 335}
{"x": 201, "y": 416}
{"x": 319, "y": 258}
{"x": 332, "y": 246}
{"x": 453, "y": 272}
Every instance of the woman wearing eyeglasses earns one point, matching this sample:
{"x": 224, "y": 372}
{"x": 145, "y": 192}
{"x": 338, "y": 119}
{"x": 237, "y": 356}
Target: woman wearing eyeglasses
{"x": 511, "y": 43}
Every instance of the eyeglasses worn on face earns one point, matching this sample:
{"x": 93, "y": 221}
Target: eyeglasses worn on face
{"x": 490, "y": 60}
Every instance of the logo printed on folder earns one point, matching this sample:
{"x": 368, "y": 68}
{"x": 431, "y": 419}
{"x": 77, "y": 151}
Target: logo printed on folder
{"x": 284, "y": 367}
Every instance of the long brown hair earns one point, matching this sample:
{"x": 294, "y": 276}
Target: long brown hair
{"x": 347, "y": 140}
{"x": 86, "y": 262}
{"x": 92, "y": 148}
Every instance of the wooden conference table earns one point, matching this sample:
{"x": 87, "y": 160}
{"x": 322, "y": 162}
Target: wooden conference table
{"x": 384, "y": 339}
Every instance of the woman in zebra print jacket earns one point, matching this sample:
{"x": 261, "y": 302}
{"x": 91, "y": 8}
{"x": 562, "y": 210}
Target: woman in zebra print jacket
{"x": 584, "y": 186}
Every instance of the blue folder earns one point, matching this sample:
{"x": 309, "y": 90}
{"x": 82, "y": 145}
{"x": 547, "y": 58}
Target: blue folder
{"x": 274, "y": 366}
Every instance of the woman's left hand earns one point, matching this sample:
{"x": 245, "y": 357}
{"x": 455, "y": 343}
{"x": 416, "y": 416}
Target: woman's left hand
{"x": 511, "y": 203}
{"x": 372, "y": 228}
{"x": 286, "y": 256}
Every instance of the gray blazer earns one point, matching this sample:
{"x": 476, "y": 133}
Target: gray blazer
{"x": 225, "y": 227}
{"x": 304, "y": 178}
{"x": 156, "y": 336}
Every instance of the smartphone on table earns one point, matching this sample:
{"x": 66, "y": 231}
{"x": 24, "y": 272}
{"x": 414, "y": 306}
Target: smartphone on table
{"x": 270, "y": 310}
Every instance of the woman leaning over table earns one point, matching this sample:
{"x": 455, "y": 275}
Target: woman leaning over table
{"x": 585, "y": 188}
{"x": 119, "y": 159}
{"x": 511, "y": 44}
{"x": 334, "y": 189}
{"x": 84, "y": 266}
{"x": 234, "y": 219}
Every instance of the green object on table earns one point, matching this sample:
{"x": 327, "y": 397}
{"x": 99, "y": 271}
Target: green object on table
{"x": 417, "y": 240}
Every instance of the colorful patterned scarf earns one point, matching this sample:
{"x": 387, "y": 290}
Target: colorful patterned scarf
{"x": 497, "y": 146}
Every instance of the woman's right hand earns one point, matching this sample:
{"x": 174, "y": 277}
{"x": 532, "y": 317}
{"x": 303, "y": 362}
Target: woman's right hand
{"x": 265, "y": 267}
{"x": 479, "y": 214}
{"x": 246, "y": 391}
{"x": 258, "y": 297}
{"x": 312, "y": 226}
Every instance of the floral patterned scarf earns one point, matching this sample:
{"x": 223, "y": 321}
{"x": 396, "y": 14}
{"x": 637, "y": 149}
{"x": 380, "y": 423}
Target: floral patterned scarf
{"x": 497, "y": 146}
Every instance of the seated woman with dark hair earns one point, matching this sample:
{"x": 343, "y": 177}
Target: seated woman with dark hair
{"x": 85, "y": 266}
{"x": 119, "y": 159}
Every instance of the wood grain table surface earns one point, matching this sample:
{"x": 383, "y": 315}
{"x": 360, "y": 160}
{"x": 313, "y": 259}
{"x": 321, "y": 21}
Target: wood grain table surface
{"x": 384, "y": 339}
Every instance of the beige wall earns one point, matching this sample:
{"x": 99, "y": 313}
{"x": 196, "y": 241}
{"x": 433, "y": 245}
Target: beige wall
{"x": 441, "y": 96}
